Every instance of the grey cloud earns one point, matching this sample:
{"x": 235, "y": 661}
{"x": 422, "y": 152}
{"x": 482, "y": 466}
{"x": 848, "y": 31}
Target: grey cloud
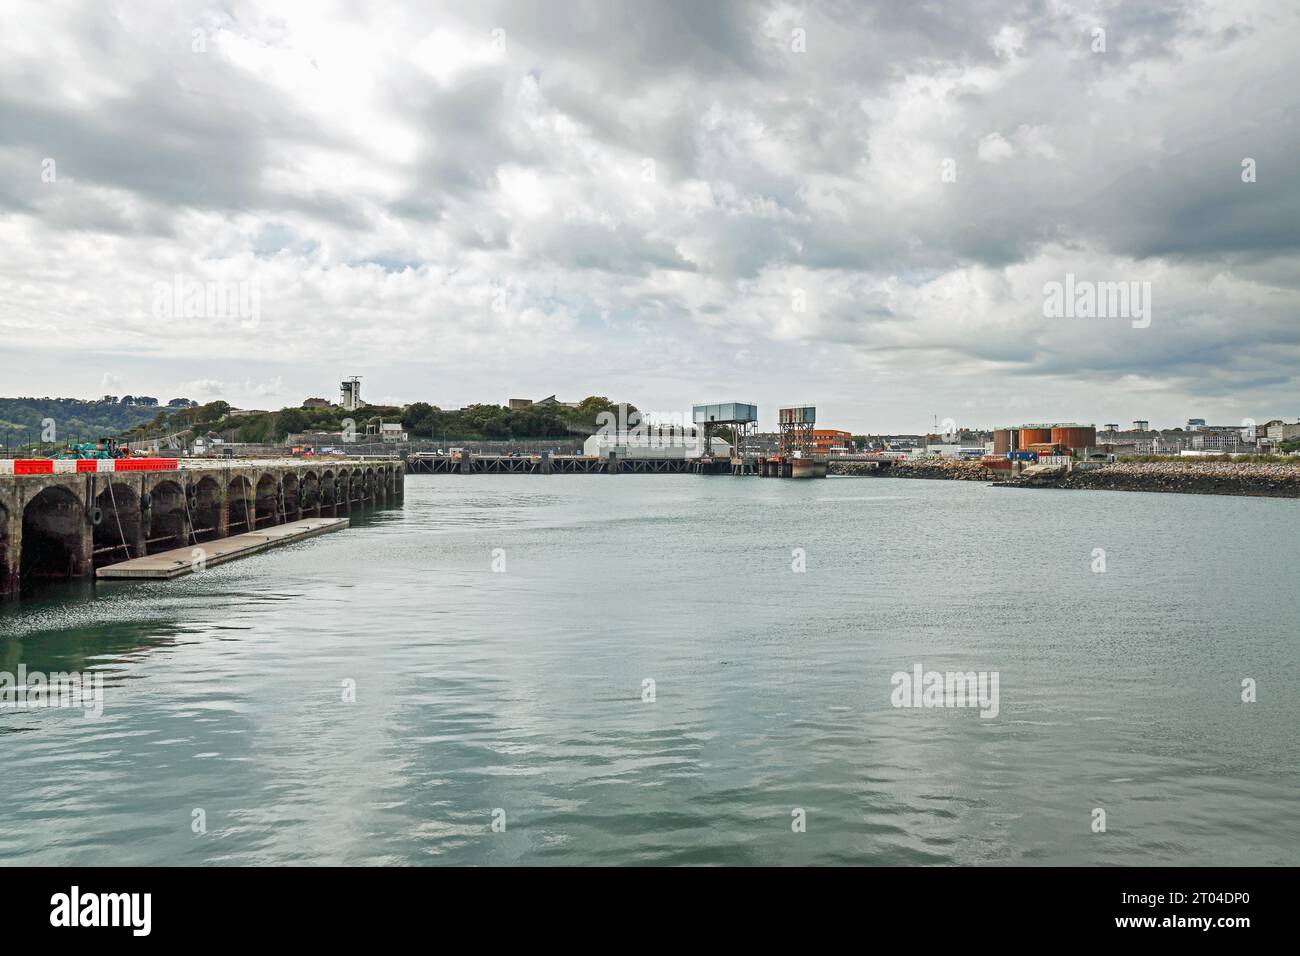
{"x": 773, "y": 167}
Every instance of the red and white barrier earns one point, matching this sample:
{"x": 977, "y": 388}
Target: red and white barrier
{"x": 73, "y": 466}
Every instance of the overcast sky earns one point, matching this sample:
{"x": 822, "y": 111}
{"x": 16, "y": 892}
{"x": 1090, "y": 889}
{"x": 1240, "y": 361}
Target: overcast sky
{"x": 850, "y": 204}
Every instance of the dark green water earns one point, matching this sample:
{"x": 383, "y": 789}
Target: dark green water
{"x": 521, "y": 690}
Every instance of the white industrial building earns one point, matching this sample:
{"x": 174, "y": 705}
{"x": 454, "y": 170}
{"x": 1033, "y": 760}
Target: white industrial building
{"x": 655, "y": 442}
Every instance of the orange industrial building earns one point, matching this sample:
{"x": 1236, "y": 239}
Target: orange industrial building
{"x": 831, "y": 441}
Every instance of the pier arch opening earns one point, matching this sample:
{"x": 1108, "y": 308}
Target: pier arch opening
{"x": 239, "y": 506}
{"x": 8, "y": 583}
{"x": 309, "y": 496}
{"x": 117, "y": 525}
{"x": 327, "y": 495}
{"x": 292, "y": 507}
{"x": 205, "y": 510}
{"x": 169, "y": 525}
{"x": 54, "y": 525}
{"x": 368, "y": 487}
{"x": 268, "y": 502}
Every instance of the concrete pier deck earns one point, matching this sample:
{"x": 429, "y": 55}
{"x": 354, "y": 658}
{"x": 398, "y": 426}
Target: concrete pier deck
{"x": 179, "y": 561}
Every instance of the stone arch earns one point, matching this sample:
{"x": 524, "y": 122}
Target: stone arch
{"x": 119, "y": 533}
{"x": 56, "y": 543}
{"x": 309, "y": 502}
{"x": 240, "y": 514}
{"x": 368, "y": 485}
{"x": 268, "y": 501}
{"x": 291, "y": 509}
{"x": 206, "y": 512}
{"x": 8, "y": 579}
{"x": 168, "y": 523}
{"x": 327, "y": 496}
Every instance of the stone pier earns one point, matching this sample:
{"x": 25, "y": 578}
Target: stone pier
{"x": 67, "y": 525}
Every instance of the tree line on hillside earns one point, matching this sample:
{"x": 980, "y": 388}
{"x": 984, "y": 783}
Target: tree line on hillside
{"x": 497, "y": 422}
{"x": 420, "y": 420}
{"x": 22, "y": 420}
{"x": 145, "y": 401}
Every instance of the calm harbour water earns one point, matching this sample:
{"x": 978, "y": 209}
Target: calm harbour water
{"x": 522, "y": 690}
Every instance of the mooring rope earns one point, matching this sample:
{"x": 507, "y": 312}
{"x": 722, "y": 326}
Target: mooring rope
{"x": 116, "y": 517}
{"x": 185, "y": 496}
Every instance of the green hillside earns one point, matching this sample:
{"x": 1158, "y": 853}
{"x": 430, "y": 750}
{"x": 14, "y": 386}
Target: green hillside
{"x": 22, "y": 418}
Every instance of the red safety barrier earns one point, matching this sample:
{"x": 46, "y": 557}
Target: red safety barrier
{"x": 146, "y": 464}
{"x": 87, "y": 464}
{"x": 34, "y": 466}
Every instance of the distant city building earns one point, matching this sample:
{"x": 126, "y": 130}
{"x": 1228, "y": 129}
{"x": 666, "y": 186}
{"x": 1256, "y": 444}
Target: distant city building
{"x": 944, "y": 449}
{"x": 1280, "y": 431}
{"x": 246, "y": 412}
{"x": 315, "y": 403}
{"x": 1195, "y": 424}
{"x": 1217, "y": 441}
{"x": 549, "y": 400}
{"x": 1141, "y": 425}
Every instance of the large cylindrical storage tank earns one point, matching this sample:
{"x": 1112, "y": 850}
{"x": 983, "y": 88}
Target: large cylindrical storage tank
{"x": 1002, "y": 441}
{"x": 1075, "y": 436}
{"x": 1033, "y": 435}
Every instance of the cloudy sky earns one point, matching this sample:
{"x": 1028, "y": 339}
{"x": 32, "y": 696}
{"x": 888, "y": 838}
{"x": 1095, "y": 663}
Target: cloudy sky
{"x": 852, "y": 204}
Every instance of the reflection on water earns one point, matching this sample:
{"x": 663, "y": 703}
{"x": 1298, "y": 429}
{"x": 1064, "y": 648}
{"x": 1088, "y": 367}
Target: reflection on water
{"x": 522, "y": 690}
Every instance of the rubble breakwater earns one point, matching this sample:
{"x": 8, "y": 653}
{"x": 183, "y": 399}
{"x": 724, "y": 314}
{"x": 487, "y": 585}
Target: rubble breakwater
{"x": 1190, "y": 478}
{"x": 1265, "y": 479}
{"x": 929, "y": 468}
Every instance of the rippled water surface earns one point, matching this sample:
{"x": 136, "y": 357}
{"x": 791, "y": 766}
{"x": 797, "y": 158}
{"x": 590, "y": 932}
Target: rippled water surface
{"x": 522, "y": 690}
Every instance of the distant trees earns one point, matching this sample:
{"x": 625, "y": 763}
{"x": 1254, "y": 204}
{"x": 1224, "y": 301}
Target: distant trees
{"x": 289, "y": 421}
{"x": 497, "y": 422}
{"x": 74, "y": 417}
{"x": 211, "y": 412}
{"x": 138, "y": 417}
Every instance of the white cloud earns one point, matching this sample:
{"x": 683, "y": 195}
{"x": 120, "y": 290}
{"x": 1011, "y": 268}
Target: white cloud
{"x": 461, "y": 215}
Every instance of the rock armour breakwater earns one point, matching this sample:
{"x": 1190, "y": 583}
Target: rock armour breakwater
{"x": 1193, "y": 478}
{"x": 948, "y": 470}
{"x": 1181, "y": 477}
